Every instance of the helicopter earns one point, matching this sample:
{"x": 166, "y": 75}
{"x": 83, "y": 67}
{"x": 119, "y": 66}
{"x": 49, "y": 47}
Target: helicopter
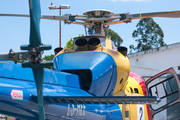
{"x": 92, "y": 81}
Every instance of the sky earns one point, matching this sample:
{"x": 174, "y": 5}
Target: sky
{"x": 14, "y": 31}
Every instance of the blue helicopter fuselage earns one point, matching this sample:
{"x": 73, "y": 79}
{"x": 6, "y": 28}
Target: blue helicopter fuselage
{"x": 17, "y": 86}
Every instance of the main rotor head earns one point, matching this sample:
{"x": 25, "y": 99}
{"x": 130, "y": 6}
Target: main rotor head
{"x": 98, "y": 13}
{"x": 101, "y": 19}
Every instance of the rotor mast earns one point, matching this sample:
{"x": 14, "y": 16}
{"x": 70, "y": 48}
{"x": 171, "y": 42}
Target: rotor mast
{"x": 99, "y": 29}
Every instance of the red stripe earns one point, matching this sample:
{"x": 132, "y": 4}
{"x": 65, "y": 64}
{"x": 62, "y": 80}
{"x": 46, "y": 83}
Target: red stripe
{"x": 54, "y": 17}
{"x": 141, "y": 82}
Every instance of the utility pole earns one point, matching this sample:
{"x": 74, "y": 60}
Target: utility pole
{"x": 52, "y": 7}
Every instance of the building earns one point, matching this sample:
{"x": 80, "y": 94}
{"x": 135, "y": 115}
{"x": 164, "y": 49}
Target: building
{"x": 150, "y": 62}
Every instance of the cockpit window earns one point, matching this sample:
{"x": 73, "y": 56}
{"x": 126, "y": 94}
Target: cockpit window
{"x": 103, "y": 42}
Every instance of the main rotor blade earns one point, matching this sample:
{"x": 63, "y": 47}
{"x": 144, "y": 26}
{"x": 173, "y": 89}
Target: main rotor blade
{"x": 35, "y": 13}
{"x": 52, "y": 17}
{"x": 15, "y": 15}
{"x": 169, "y": 14}
{"x": 35, "y": 42}
{"x": 39, "y": 76}
{"x": 114, "y": 22}
{"x": 81, "y": 23}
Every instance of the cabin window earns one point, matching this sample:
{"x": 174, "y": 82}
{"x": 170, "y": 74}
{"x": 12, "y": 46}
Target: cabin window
{"x": 136, "y": 90}
{"x": 131, "y": 89}
{"x": 121, "y": 81}
{"x": 126, "y": 114}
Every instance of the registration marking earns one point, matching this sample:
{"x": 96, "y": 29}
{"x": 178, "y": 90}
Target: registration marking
{"x": 17, "y": 94}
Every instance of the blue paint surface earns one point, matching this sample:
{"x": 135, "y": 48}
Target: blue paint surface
{"x": 102, "y": 67}
{"x": 26, "y": 109}
{"x": 15, "y": 71}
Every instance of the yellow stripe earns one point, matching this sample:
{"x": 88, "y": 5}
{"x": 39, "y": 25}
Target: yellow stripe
{"x": 108, "y": 43}
{"x": 122, "y": 65}
{"x": 133, "y": 112}
{"x": 140, "y": 15}
{"x": 146, "y": 113}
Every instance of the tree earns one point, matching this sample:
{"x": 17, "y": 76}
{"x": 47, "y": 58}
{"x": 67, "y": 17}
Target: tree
{"x": 111, "y": 34}
{"x": 149, "y": 35}
{"x": 71, "y": 41}
{"x": 22, "y": 61}
{"x": 46, "y": 57}
{"x": 49, "y": 58}
{"x": 70, "y": 44}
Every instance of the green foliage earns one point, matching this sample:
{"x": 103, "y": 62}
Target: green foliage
{"x": 49, "y": 58}
{"x": 21, "y": 61}
{"x": 149, "y": 35}
{"x": 80, "y": 35}
{"x": 114, "y": 37}
{"x": 111, "y": 34}
{"x": 70, "y": 44}
{"x": 71, "y": 41}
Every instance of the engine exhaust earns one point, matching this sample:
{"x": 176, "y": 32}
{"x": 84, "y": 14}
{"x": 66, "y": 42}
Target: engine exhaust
{"x": 94, "y": 43}
{"x": 81, "y": 44}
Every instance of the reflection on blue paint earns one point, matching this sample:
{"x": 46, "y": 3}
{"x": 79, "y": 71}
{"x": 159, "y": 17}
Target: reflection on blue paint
{"x": 14, "y": 77}
{"x": 102, "y": 66}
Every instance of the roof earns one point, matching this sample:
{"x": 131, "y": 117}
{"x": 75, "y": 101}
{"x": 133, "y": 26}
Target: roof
{"x": 155, "y": 50}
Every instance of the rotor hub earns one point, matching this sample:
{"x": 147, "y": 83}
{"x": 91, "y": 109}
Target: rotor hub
{"x": 98, "y": 13}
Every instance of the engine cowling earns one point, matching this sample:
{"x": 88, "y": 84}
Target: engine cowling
{"x": 101, "y": 72}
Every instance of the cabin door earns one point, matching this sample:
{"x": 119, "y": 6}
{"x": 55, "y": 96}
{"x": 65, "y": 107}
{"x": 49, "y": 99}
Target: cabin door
{"x": 166, "y": 86}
